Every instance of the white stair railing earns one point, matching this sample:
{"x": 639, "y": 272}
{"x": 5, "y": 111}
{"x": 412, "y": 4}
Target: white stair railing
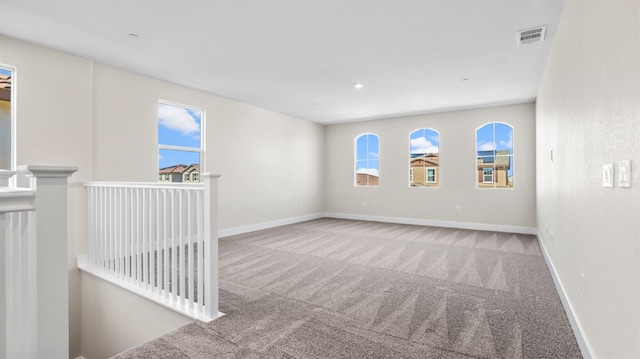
{"x": 34, "y": 290}
{"x": 157, "y": 240}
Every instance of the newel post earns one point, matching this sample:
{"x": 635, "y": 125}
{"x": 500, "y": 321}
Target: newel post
{"x": 52, "y": 277}
{"x": 210, "y": 244}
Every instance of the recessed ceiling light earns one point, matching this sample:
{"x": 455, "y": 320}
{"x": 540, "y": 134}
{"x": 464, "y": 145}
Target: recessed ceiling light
{"x": 358, "y": 85}
{"x": 133, "y": 36}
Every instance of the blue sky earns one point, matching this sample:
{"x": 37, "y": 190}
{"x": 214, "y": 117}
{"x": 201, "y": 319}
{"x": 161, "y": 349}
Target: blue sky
{"x": 178, "y": 126}
{"x": 5, "y": 72}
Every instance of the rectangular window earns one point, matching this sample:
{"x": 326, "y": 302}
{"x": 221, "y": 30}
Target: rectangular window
{"x": 487, "y": 175}
{"x": 180, "y": 142}
{"x": 7, "y": 124}
{"x": 431, "y": 175}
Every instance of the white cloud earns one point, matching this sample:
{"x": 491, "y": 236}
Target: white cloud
{"x": 370, "y": 171}
{"x": 374, "y": 155}
{"x": 486, "y": 146}
{"x": 422, "y": 145}
{"x": 508, "y": 144}
{"x": 177, "y": 119}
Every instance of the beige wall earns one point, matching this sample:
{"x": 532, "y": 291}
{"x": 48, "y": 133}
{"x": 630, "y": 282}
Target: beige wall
{"x": 588, "y": 112}
{"x": 512, "y": 209}
{"x": 285, "y": 154}
{"x": 117, "y": 320}
{"x": 53, "y": 127}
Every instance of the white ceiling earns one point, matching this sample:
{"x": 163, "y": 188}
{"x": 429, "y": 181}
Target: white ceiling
{"x": 302, "y": 57}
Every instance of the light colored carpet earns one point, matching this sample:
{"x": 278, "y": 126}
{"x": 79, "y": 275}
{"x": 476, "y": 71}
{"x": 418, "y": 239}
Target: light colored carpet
{"x": 332, "y": 288}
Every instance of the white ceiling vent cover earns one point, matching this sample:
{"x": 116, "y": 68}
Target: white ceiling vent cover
{"x": 530, "y": 36}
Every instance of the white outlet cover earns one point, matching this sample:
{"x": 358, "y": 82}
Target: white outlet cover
{"x": 607, "y": 175}
{"x": 624, "y": 174}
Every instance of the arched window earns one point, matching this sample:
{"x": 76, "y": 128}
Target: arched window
{"x": 367, "y": 160}
{"x": 494, "y": 156}
{"x": 424, "y": 159}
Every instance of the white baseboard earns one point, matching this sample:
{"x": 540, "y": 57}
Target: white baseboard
{"x": 583, "y": 342}
{"x": 436, "y": 223}
{"x": 266, "y": 225}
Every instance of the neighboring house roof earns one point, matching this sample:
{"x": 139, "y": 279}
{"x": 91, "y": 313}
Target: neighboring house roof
{"x": 498, "y": 159}
{"x": 5, "y": 87}
{"x": 425, "y": 160}
{"x": 180, "y": 169}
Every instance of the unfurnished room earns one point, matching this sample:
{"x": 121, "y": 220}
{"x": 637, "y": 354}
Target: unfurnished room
{"x": 320, "y": 179}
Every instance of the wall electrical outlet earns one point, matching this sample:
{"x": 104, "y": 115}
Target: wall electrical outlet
{"x": 582, "y": 282}
{"x": 364, "y": 203}
{"x": 458, "y": 209}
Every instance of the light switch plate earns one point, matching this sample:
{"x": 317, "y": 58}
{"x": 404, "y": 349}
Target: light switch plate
{"x": 607, "y": 175}
{"x": 624, "y": 174}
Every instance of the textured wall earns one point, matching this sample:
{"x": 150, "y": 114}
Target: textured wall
{"x": 588, "y": 112}
{"x": 458, "y": 172}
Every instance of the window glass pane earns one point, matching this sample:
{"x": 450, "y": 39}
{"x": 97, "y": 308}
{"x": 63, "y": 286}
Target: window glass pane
{"x": 362, "y": 148}
{"x": 5, "y": 119}
{"x": 179, "y": 126}
{"x": 178, "y": 166}
{"x": 494, "y": 160}
{"x": 367, "y": 154}
{"x": 424, "y": 156}
{"x": 484, "y": 139}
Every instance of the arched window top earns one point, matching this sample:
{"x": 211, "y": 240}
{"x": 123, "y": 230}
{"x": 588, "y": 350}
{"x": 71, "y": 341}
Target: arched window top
{"x": 494, "y": 155}
{"x": 424, "y": 158}
{"x": 495, "y": 136}
{"x": 367, "y": 160}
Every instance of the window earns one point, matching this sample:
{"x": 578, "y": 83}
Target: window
{"x": 487, "y": 175}
{"x": 431, "y": 175}
{"x": 424, "y": 155}
{"x": 7, "y": 124}
{"x": 180, "y": 142}
{"x": 494, "y": 156}
{"x": 367, "y": 158}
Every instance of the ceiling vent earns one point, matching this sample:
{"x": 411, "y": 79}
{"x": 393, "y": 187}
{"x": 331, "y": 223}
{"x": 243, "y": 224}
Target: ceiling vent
{"x": 530, "y": 36}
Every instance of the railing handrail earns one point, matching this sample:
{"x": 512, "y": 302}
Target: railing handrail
{"x": 17, "y": 199}
{"x": 171, "y": 185}
{"x": 139, "y": 233}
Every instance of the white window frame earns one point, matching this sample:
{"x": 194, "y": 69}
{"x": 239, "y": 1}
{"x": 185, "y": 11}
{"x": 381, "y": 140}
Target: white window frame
{"x": 426, "y": 174}
{"x": 484, "y": 176}
{"x": 355, "y": 159}
{"x": 512, "y": 156}
{"x": 202, "y": 149}
{"x": 14, "y": 106}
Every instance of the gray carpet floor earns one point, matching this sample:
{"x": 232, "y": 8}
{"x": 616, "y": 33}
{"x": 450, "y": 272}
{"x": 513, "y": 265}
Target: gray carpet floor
{"x": 332, "y": 288}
